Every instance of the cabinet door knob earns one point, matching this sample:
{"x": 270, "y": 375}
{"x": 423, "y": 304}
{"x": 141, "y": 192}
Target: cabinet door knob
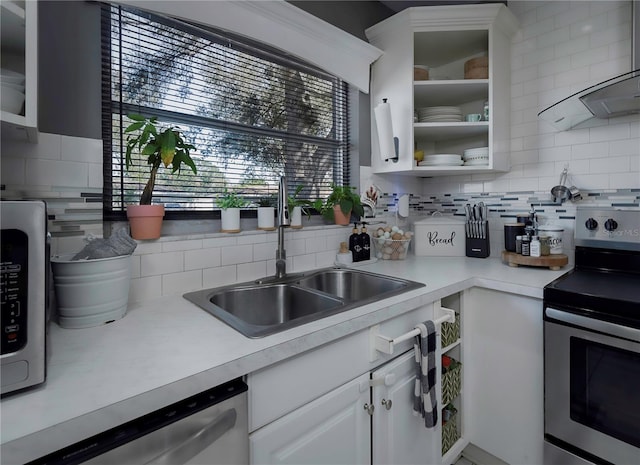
{"x": 369, "y": 408}
{"x": 387, "y": 403}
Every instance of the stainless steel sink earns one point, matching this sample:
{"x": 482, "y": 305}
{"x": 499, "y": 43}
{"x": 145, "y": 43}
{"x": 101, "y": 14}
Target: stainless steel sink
{"x": 268, "y": 306}
{"x": 353, "y": 286}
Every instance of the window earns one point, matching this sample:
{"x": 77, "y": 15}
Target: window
{"x": 253, "y": 114}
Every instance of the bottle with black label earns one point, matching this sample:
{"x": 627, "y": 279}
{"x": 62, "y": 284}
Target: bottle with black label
{"x": 354, "y": 243}
{"x": 365, "y": 242}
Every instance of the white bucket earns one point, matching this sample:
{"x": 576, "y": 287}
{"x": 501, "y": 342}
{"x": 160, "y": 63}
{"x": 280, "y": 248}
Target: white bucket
{"x": 555, "y": 237}
{"x": 91, "y": 292}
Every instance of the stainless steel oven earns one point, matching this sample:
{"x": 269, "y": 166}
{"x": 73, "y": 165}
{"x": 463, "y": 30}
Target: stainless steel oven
{"x": 592, "y": 345}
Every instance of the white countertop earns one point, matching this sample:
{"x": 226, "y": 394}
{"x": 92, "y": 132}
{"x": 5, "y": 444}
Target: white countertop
{"x": 167, "y": 349}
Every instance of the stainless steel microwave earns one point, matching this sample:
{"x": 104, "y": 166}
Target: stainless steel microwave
{"x": 24, "y": 277}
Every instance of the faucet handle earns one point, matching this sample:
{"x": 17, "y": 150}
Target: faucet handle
{"x": 283, "y": 208}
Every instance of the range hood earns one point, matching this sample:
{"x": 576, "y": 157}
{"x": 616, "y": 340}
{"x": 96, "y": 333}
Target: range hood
{"x": 618, "y": 96}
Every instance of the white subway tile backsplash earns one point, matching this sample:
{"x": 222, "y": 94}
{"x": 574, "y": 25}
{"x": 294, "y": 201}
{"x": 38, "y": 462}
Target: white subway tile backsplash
{"x": 611, "y": 132}
{"x": 219, "y": 276}
{"x": 202, "y": 258}
{"x": 252, "y": 271}
{"x": 178, "y": 283}
{"x": 591, "y": 150}
{"x": 538, "y": 28}
{"x": 178, "y": 245}
{"x": 95, "y": 175}
{"x": 232, "y": 255}
{"x": 81, "y": 149}
{"x": 551, "y": 154}
{"x": 219, "y": 242}
{"x": 265, "y": 250}
{"x": 590, "y": 56}
{"x": 304, "y": 262}
{"x": 295, "y": 246}
{"x": 315, "y": 244}
{"x": 40, "y": 172}
{"x": 609, "y": 165}
{"x": 161, "y": 263}
{"x": 12, "y": 170}
{"x": 617, "y": 180}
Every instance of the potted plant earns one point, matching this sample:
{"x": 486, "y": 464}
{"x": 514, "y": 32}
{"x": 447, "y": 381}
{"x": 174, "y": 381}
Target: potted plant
{"x": 161, "y": 147}
{"x": 266, "y": 213}
{"x": 340, "y": 204}
{"x": 297, "y": 207}
{"x": 230, "y": 204}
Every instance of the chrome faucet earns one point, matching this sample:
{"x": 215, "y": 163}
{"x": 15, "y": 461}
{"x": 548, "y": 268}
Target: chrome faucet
{"x": 283, "y": 222}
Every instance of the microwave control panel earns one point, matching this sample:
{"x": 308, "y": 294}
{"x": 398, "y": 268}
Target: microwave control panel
{"x": 14, "y": 289}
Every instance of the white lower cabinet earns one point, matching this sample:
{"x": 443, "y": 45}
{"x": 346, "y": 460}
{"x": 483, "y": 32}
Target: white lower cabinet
{"x": 334, "y": 429}
{"x": 342, "y": 403}
{"x": 399, "y": 436}
{"x": 504, "y": 386}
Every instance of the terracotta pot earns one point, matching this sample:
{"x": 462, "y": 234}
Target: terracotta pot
{"x": 341, "y": 218}
{"x": 145, "y": 220}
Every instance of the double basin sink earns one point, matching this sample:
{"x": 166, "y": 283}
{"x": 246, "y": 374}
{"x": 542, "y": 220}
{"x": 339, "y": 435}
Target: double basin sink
{"x": 268, "y": 306}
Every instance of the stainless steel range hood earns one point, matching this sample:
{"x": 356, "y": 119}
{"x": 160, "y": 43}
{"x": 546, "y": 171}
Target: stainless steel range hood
{"x": 618, "y": 96}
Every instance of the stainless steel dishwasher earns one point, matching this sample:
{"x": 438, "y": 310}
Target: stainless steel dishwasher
{"x": 208, "y": 428}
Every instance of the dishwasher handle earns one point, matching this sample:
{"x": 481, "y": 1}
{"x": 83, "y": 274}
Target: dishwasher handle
{"x": 198, "y": 441}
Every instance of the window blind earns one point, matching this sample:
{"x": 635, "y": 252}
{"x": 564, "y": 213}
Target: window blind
{"x": 253, "y": 114}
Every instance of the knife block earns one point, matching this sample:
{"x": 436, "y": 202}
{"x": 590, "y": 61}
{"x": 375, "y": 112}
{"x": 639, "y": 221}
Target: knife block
{"x": 478, "y": 247}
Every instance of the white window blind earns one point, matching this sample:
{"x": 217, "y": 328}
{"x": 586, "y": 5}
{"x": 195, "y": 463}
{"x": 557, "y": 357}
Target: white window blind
{"x": 252, "y": 113}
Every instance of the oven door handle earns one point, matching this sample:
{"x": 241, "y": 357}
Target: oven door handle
{"x": 606, "y": 327}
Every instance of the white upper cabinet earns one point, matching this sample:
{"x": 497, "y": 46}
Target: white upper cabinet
{"x": 19, "y": 73}
{"x": 444, "y": 39}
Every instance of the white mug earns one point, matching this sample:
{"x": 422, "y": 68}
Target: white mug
{"x": 473, "y": 117}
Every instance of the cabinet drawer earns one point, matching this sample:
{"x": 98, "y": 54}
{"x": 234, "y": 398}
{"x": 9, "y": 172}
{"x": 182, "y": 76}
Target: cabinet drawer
{"x": 281, "y": 388}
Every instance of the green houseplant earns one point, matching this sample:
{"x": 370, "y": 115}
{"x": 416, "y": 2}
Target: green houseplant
{"x": 161, "y": 147}
{"x": 339, "y": 205}
{"x": 230, "y": 204}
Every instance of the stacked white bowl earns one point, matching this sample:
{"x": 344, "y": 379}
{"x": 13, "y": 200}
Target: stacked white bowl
{"x": 476, "y": 157}
{"x": 12, "y": 91}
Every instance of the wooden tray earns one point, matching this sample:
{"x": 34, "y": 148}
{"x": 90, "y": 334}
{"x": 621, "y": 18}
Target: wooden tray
{"x": 553, "y": 262}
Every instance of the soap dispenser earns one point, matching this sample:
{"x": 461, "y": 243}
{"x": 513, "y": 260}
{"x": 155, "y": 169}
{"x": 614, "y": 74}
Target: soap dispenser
{"x": 354, "y": 243}
{"x": 365, "y": 243}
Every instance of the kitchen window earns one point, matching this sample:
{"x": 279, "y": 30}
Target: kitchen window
{"x": 254, "y": 114}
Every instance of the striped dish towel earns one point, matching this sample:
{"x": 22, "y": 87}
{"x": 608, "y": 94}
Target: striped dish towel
{"x": 424, "y": 401}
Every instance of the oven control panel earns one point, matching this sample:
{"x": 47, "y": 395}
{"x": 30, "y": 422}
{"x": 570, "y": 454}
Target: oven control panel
{"x": 608, "y": 228}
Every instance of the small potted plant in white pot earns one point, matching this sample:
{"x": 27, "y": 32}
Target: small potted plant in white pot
{"x": 297, "y": 208}
{"x": 160, "y": 147}
{"x": 266, "y": 213}
{"x": 230, "y": 204}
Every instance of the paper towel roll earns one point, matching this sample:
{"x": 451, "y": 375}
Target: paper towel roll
{"x": 382, "y": 113}
{"x": 403, "y": 206}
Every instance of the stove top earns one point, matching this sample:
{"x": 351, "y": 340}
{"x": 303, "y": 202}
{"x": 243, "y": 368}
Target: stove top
{"x": 605, "y": 282}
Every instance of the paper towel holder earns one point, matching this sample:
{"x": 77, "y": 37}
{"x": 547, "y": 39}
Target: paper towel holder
{"x": 396, "y": 145}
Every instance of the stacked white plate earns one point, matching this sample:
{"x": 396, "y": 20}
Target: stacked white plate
{"x": 441, "y": 159}
{"x": 12, "y": 91}
{"x": 476, "y": 157}
{"x": 439, "y": 115}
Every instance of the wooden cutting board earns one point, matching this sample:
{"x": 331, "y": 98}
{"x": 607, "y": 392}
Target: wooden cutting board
{"x": 553, "y": 262}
